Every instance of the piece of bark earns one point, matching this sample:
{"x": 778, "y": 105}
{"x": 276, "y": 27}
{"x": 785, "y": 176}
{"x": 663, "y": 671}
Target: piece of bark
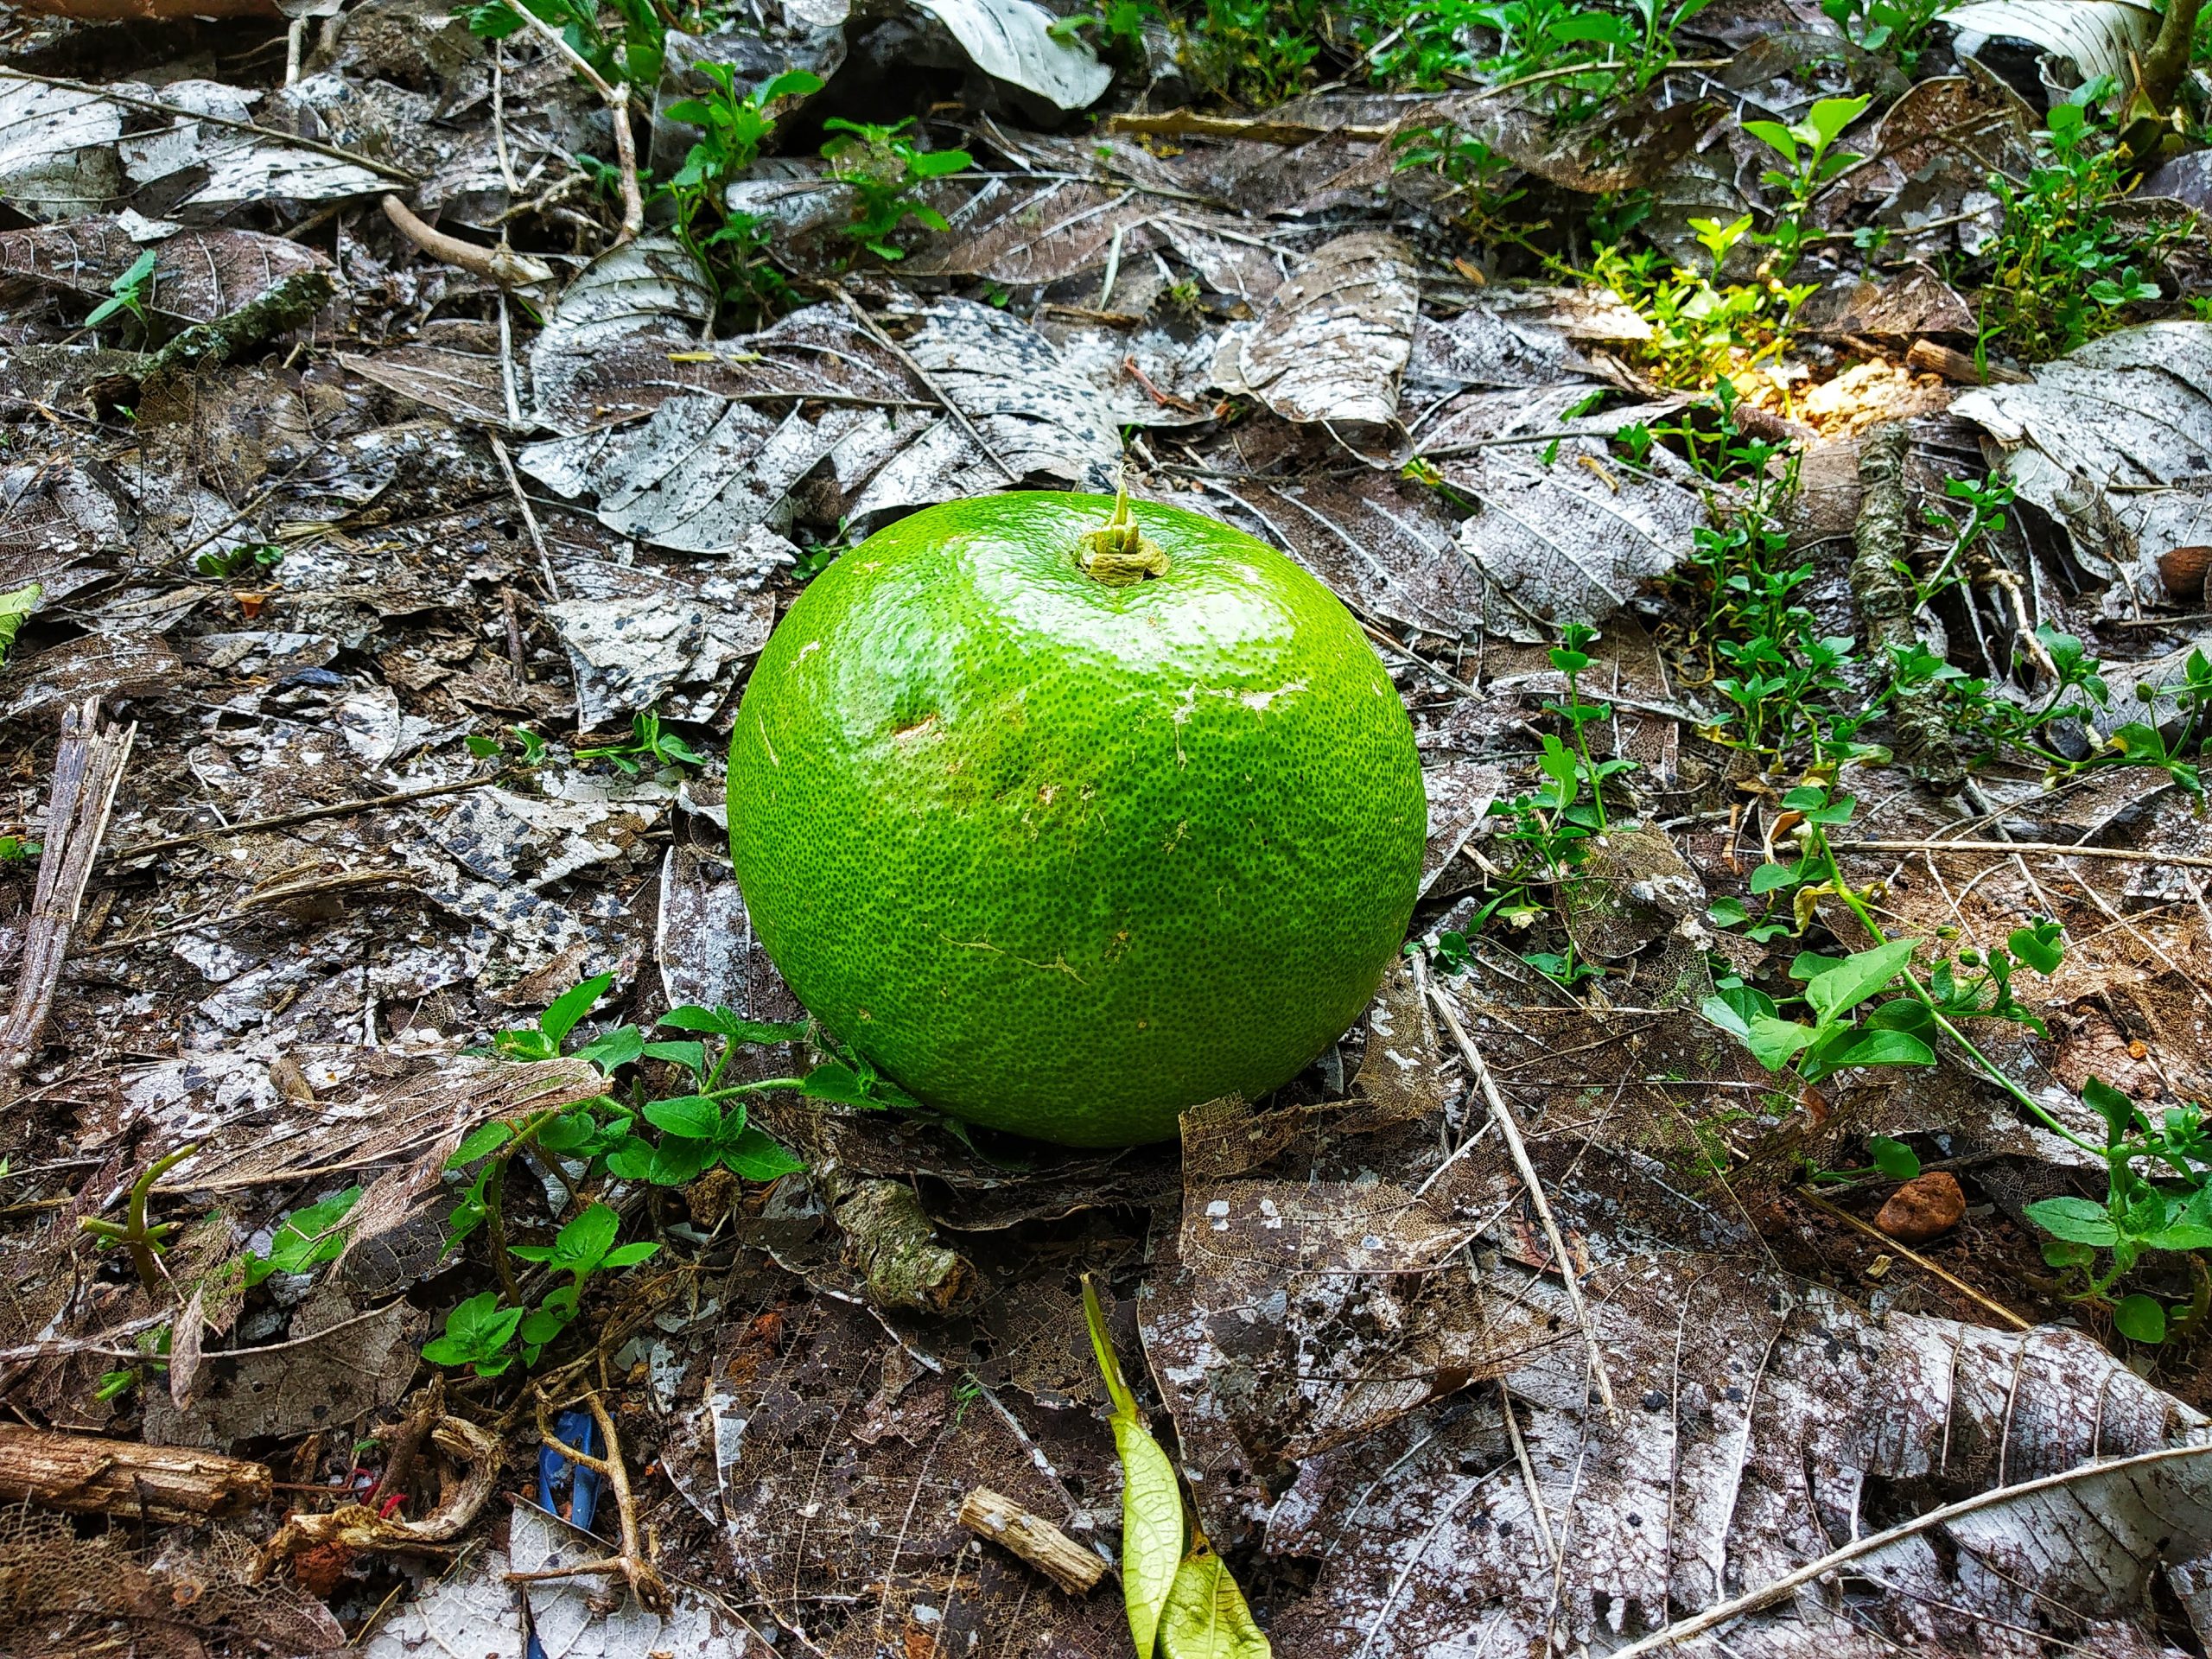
{"x": 1880, "y": 542}
{"x": 1037, "y": 1541}
{"x": 288, "y": 304}
{"x": 92, "y": 1476}
{"x": 87, "y": 770}
{"x": 890, "y": 1242}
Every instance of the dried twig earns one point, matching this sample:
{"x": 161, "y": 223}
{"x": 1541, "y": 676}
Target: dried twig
{"x": 634, "y": 1564}
{"x": 305, "y": 815}
{"x": 93, "y": 1476}
{"x": 502, "y": 265}
{"x": 906, "y": 357}
{"x": 86, "y": 772}
{"x": 1767, "y": 1594}
{"x": 1033, "y": 1538}
{"x": 1511, "y": 1129}
{"x": 617, "y": 99}
{"x": 1914, "y": 1256}
{"x": 358, "y": 1527}
{"x": 2124, "y": 855}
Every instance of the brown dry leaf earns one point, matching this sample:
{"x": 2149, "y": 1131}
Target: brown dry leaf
{"x": 1333, "y": 340}
{"x": 198, "y": 276}
{"x": 343, "y": 1366}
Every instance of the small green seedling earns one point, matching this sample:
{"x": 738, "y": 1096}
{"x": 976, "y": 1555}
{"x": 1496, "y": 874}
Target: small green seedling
{"x": 584, "y": 1247}
{"x": 2165, "y": 1205}
{"x": 145, "y": 1242}
{"x": 15, "y": 849}
{"x": 884, "y": 172}
{"x": 227, "y": 563}
{"x": 1810, "y": 160}
{"x": 14, "y": 608}
{"x": 477, "y": 1334}
{"x": 521, "y": 747}
{"x": 305, "y": 1239}
{"x": 648, "y": 743}
{"x": 1892, "y": 1161}
{"x": 153, "y": 1348}
{"x": 128, "y": 292}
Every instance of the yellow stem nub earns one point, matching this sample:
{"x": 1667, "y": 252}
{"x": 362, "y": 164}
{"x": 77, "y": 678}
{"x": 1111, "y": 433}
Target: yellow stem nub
{"x": 1120, "y": 554}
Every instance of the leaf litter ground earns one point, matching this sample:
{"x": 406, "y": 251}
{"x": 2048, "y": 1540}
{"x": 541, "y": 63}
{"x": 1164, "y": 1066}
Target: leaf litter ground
{"x": 1513, "y": 1323}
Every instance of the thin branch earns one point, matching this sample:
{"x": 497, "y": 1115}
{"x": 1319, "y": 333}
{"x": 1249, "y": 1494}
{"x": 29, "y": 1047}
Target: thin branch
{"x": 634, "y": 1564}
{"x": 1914, "y": 1257}
{"x": 1506, "y": 1122}
{"x": 617, "y": 99}
{"x": 305, "y": 815}
{"x": 502, "y": 265}
{"x": 1779, "y": 1589}
{"x": 2123, "y": 854}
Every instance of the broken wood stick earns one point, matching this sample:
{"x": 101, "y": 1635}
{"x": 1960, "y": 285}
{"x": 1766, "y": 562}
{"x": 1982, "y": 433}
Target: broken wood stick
{"x": 289, "y": 304}
{"x": 87, "y": 770}
{"x": 88, "y": 1475}
{"x": 1886, "y": 599}
{"x": 1928, "y": 357}
{"x": 502, "y": 264}
{"x": 1035, "y": 1540}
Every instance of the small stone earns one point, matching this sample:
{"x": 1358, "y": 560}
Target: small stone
{"x": 1923, "y": 1208}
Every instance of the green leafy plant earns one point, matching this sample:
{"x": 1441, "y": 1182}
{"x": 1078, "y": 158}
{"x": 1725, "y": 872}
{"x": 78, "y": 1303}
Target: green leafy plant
{"x": 1583, "y": 55}
{"x": 648, "y": 744}
{"x": 14, "y": 607}
{"x": 885, "y": 170}
{"x": 1809, "y": 161}
{"x": 584, "y": 1247}
{"x": 1570, "y": 660}
{"x": 1895, "y": 28}
{"x": 1255, "y": 52}
{"x": 144, "y": 1242}
{"x": 731, "y": 245}
{"x": 520, "y": 747}
{"x": 1703, "y": 327}
{"x": 228, "y": 563}
{"x": 1179, "y": 1597}
{"x": 2065, "y": 271}
{"x": 477, "y": 1334}
{"x": 1890, "y": 1160}
{"x": 15, "y": 850}
{"x": 306, "y": 1239}
{"x": 153, "y": 1348}
{"x": 128, "y": 292}
{"x": 2157, "y": 1199}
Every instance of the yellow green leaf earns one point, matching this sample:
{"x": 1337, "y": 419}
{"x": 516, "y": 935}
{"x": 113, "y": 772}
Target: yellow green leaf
{"x": 1206, "y": 1617}
{"x": 14, "y": 607}
{"x": 1152, "y": 1500}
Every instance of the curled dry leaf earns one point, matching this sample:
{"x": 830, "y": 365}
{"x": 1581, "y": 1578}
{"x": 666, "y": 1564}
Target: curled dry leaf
{"x": 57, "y": 149}
{"x": 2098, "y": 37}
{"x": 1332, "y": 343}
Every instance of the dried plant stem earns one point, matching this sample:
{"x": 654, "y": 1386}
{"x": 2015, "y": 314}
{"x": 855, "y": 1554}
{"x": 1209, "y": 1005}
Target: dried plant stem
{"x": 634, "y": 1564}
{"x": 617, "y": 99}
{"x": 1511, "y": 1129}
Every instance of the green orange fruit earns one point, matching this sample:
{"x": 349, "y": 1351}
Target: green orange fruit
{"x": 1066, "y": 828}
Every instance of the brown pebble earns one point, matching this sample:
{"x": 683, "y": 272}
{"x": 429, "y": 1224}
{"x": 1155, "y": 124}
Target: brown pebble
{"x": 1923, "y": 1208}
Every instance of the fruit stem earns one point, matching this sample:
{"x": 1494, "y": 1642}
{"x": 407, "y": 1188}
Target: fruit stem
{"x": 1120, "y": 554}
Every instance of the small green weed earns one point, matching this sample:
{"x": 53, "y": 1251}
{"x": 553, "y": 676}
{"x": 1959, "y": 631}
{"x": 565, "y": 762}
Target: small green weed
{"x": 520, "y": 747}
{"x": 17, "y": 849}
{"x": 228, "y": 563}
{"x": 2063, "y": 271}
{"x": 885, "y": 171}
{"x": 731, "y": 246}
{"x": 305, "y": 1239}
{"x": 1895, "y": 28}
{"x": 2157, "y": 1199}
{"x": 1892, "y": 1161}
{"x": 649, "y": 746}
{"x": 14, "y": 607}
{"x": 153, "y": 1360}
{"x": 630, "y": 54}
{"x": 1810, "y": 159}
{"x": 144, "y": 1242}
{"x": 131, "y": 292}
{"x": 584, "y": 1247}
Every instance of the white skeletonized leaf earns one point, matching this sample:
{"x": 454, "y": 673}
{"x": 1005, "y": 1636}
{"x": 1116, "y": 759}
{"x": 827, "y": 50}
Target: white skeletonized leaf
{"x": 1333, "y": 342}
{"x": 1012, "y": 40}
{"x": 57, "y": 150}
{"x": 2095, "y": 35}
